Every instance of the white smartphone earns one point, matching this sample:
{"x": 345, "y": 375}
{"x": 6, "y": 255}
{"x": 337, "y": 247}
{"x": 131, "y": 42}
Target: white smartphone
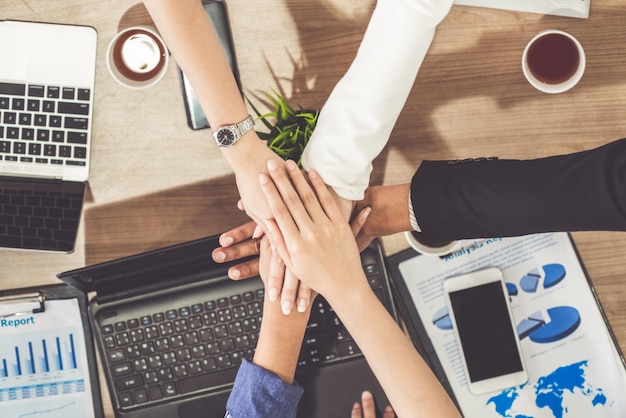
{"x": 479, "y": 308}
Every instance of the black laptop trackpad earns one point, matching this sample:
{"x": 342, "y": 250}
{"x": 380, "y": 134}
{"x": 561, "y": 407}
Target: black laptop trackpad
{"x": 330, "y": 392}
{"x": 209, "y": 407}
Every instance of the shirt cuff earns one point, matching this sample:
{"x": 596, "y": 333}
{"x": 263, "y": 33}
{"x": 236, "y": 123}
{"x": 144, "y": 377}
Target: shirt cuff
{"x": 258, "y": 393}
{"x": 412, "y": 217}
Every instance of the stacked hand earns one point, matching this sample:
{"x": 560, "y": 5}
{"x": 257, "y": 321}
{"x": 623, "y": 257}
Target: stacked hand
{"x": 243, "y": 241}
{"x": 308, "y": 226}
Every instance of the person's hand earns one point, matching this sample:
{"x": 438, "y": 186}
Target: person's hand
{"x": 366, "y": 409}
{"x": 309, "y": 231}
{"x": 237, "y": 243}
{"x": 390, "y": 212}
{"x": 272, "y": 269}
{"x": 247, "y": 162}
{"x": 367, "y": 233}
{"x": 241, "y": 242}
{"x": 346, "y": 207}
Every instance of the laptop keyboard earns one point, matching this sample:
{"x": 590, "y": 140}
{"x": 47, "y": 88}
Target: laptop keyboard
{"x": 44, "y": 124}
{"x": 39, "y": 219}
{"x": 166, "y": 355}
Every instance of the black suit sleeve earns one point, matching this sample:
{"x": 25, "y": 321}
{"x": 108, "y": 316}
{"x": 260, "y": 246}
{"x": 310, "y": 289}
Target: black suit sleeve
{"x": 482, "y": 198}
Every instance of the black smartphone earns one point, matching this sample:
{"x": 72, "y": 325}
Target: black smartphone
{"x": 218, "y": 13}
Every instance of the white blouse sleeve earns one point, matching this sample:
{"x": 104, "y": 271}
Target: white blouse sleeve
{"x": 355, "y": 123}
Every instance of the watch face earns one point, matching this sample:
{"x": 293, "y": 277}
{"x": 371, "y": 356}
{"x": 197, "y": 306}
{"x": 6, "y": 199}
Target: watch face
{"x": 225, "y": 137}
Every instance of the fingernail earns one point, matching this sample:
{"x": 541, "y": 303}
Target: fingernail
{"x": 356, "y": 406}
{"x": 258, "y": 231}
{"x": 366, "y": 395}
{"x": 227, "y": 240}
{"x": 313, "y": 174}
{"x": 366, "y": 213}
{"x": 302, "y": 305}
{"x": 219, "y": 256}
{"x": 271, "y": 165}
{"x": 273, "y": 294}
{"x": 291, "y": 165}
{"x": 263, "y": 179}
{"x": 235, "y": 273}
{"x": 286, "y": 307}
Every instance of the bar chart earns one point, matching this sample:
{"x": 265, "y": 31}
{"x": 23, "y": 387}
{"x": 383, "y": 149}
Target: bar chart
{"x": 39, "y": 355}
{"x": 40, "y": 365}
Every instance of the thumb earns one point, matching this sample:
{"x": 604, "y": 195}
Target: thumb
{"x": 359, "y": 220}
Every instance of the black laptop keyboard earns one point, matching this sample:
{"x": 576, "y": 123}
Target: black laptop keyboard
{"x": 39, "y": 219}
{"x": 44, "y": 124}
{"x": 190, "y": 348}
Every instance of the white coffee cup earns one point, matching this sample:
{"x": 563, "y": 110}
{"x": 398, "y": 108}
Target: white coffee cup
{"x": 553, "y": 61}
{"x": 137, "y": 57}
{"x": 422, "y": 248}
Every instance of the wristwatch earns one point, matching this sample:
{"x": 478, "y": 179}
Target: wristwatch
{"x": 226, "y": 136}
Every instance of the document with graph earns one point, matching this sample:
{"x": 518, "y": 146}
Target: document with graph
{"x": 574, "y": 366}
{"x": 45, "y": 371}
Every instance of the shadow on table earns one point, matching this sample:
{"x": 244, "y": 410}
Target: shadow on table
{"x": 161, "y": 219}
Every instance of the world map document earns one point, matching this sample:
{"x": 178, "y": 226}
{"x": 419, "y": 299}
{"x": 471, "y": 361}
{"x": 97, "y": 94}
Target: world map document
{"x": 573, "y": 364}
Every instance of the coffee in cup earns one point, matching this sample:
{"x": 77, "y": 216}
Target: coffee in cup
{"x": 137, "y": 57}
{"x": 553, "y": 61}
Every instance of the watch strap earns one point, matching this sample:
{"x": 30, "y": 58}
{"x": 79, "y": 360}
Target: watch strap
{"x": 238, "y": 130}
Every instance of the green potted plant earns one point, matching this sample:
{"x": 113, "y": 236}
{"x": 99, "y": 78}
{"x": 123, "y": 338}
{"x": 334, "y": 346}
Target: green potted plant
{"x": 289, "y": 129}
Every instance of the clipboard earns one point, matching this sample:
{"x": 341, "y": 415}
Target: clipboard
{"x": 47, "y": 357}
{"x": 548, "y": 280}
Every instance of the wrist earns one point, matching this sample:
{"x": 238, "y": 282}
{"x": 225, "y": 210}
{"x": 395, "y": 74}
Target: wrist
{"x": 348, "y": 304}
{"x": 349, "y": 293}
{"x": 390, "y": 210}
{"x": 280, "y": 340}
{"x": 247, "y": 149}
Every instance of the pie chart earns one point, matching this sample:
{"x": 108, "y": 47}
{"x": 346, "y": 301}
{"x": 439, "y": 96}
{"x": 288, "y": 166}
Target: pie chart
{"x": 552, "y": 275}
{"x": 561, "y": 322}
{"x": 530, "y": 281}
{"x": 442, "y": 320}
{"x": 527, "y": 326}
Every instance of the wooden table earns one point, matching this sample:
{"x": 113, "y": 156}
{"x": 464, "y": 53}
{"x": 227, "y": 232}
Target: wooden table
{"x": 154, "y": 182}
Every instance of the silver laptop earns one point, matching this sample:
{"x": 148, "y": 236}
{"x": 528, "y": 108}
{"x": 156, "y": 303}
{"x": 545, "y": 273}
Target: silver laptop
{"x": 47, "y": 74}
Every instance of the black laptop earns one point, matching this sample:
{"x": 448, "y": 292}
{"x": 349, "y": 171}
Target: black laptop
{"x": 172, "y": 330}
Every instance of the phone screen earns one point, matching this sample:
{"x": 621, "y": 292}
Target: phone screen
{"x": 486, "y": 331}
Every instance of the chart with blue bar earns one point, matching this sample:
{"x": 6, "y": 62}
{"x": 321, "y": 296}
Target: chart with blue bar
{"x": 39, "y": 365}
{"x": 44, "y": 371}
